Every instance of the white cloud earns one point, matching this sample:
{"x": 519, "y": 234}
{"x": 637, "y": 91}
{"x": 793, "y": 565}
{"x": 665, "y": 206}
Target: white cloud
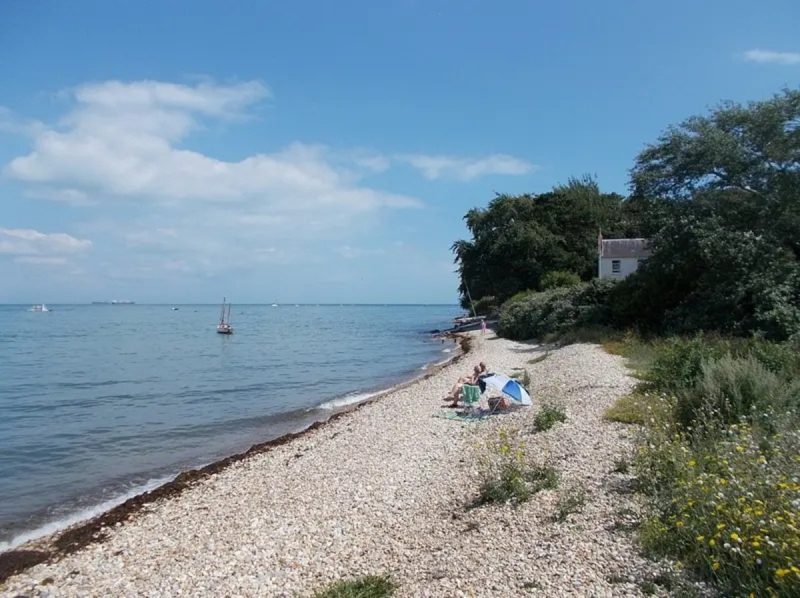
{"x": 466, "y": 169}
{"x": 121, "y": 141}
{"x": 188, "y": 212}
{"x": 37, "y": 246}
{"x": 771, "y": 57}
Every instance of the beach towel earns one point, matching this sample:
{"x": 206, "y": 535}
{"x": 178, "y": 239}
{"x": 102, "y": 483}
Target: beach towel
{"x": 463, "y": 417}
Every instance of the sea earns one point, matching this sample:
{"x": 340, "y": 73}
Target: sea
{"x": 101, "y": 402}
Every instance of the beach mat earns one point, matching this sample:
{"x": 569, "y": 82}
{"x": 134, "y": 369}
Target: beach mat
{"x": 455, "y": 416}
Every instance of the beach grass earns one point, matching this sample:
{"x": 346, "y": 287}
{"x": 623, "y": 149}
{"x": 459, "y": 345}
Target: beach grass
{"x": 369, "y": 586}
{"x": 549, "y": 415}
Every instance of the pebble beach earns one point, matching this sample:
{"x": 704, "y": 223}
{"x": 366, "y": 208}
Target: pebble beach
{"x": 386, "y": 489}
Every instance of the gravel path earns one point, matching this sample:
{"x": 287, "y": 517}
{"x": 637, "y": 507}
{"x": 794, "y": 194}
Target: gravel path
{"x": 384, "y": 490}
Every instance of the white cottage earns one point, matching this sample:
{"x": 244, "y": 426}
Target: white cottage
{"x": 620, "y": 257}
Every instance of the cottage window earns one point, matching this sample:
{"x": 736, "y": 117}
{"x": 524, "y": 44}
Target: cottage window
{"x": 616, "y": 266}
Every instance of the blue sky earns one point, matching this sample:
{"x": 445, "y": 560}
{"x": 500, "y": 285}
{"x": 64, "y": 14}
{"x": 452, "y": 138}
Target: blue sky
{"x": 327, "y": 151}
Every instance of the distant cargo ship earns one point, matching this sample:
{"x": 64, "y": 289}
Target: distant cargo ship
{"x": 114, "y": 302}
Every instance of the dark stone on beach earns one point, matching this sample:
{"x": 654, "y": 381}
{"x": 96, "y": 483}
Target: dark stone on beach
{"x": 14, "y": 561}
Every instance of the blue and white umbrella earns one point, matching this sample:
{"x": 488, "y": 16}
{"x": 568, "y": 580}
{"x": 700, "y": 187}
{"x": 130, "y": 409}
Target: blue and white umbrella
{"x": 509, "y": 387}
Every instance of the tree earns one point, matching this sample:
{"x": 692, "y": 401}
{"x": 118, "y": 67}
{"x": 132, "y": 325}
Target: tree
{"x": 517, "y": 239}
{"x": 739, "y": 159}
{"x": 724, "y": 191}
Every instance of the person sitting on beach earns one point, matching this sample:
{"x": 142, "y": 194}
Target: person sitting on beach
{"x": 484, "y": 372}
{"x": 455, "y": 392}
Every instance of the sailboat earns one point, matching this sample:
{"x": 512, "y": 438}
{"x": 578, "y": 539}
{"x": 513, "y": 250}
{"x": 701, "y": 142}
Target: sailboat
{"x": 224, "y": 326}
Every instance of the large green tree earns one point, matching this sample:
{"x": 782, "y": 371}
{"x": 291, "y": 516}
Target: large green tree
{"x": 724, "y": 198}
{"x": 518, "y": 239}
{"x": 742, "y": 162}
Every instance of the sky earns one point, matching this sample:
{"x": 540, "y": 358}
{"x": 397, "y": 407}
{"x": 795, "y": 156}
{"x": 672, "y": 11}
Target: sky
{"x": 326, "y": 152}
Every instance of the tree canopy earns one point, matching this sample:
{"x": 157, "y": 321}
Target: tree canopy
{"x": 518, "y": 239}
{"x": 718, "y": 197}
{"x": 725, "y": 249}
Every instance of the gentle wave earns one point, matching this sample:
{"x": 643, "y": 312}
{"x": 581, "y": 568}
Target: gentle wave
{"x": 117, "y": 407}
{"x": 347, "y": 400}
{"x": 56, "y": 525}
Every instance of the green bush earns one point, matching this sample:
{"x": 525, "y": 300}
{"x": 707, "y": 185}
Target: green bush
{"x": 548, "y": 416}
{"x": 558, "y": 278}
{"x": 522, "y": 295}
{"x": 507, "y": 475}
{"x": 727, "y": 503}
{"x": 534, "y": 315}
{"x": 718, "y": 381}
{"x": 728, "y": 509}
{"x": 679, "y": 361}
{"x": 369, "y": 586}
{"x": 730, "y": 390}
{"x": 706, "y": 274}
{"x": 571, "y": 500}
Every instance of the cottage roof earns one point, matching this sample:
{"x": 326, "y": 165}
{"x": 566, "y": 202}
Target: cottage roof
{"x": 621, "y": 248}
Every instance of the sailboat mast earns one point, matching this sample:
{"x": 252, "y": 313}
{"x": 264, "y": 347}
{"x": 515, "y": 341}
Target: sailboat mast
{"x": 222, "y": 312}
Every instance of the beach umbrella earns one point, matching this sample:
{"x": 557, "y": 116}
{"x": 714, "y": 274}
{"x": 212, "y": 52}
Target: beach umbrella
{"x": 509, "y": 387}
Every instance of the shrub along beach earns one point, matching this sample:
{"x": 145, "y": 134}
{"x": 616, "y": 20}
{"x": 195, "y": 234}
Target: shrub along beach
{"x": 662, "y": 453}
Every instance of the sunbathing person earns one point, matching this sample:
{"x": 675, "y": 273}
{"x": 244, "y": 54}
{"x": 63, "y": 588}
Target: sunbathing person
{"x": 455, "y": 392}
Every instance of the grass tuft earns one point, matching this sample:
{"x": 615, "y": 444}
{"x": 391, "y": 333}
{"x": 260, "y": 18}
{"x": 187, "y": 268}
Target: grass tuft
{"x": 571, "y": 501}
{"x": 628, "y": 409}
{"x": 369, "y": 586}
{"x": 507, "y": 475}
{"x": 548, "y": 416}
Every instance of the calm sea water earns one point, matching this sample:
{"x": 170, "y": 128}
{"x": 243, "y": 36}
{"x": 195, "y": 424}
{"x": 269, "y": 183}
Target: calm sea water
{"x": 99, "y": 402}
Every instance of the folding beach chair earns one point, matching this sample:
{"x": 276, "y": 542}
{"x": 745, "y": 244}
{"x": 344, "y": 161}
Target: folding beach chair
{"x": 471, "y": 397}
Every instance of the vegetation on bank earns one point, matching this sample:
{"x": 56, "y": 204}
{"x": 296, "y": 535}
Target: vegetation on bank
{"x": 719, "y": 459}
{"x": 715, "y": 320}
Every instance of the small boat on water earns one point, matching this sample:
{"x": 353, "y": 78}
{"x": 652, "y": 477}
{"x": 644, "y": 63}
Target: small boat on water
{"x": 39, "y": 307}
{"x": 224, "y": 326}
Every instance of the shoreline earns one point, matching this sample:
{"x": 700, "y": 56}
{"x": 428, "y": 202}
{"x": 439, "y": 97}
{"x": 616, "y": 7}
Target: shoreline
{"x": 391, "y": 490}
{"x": 73, "y": 537}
